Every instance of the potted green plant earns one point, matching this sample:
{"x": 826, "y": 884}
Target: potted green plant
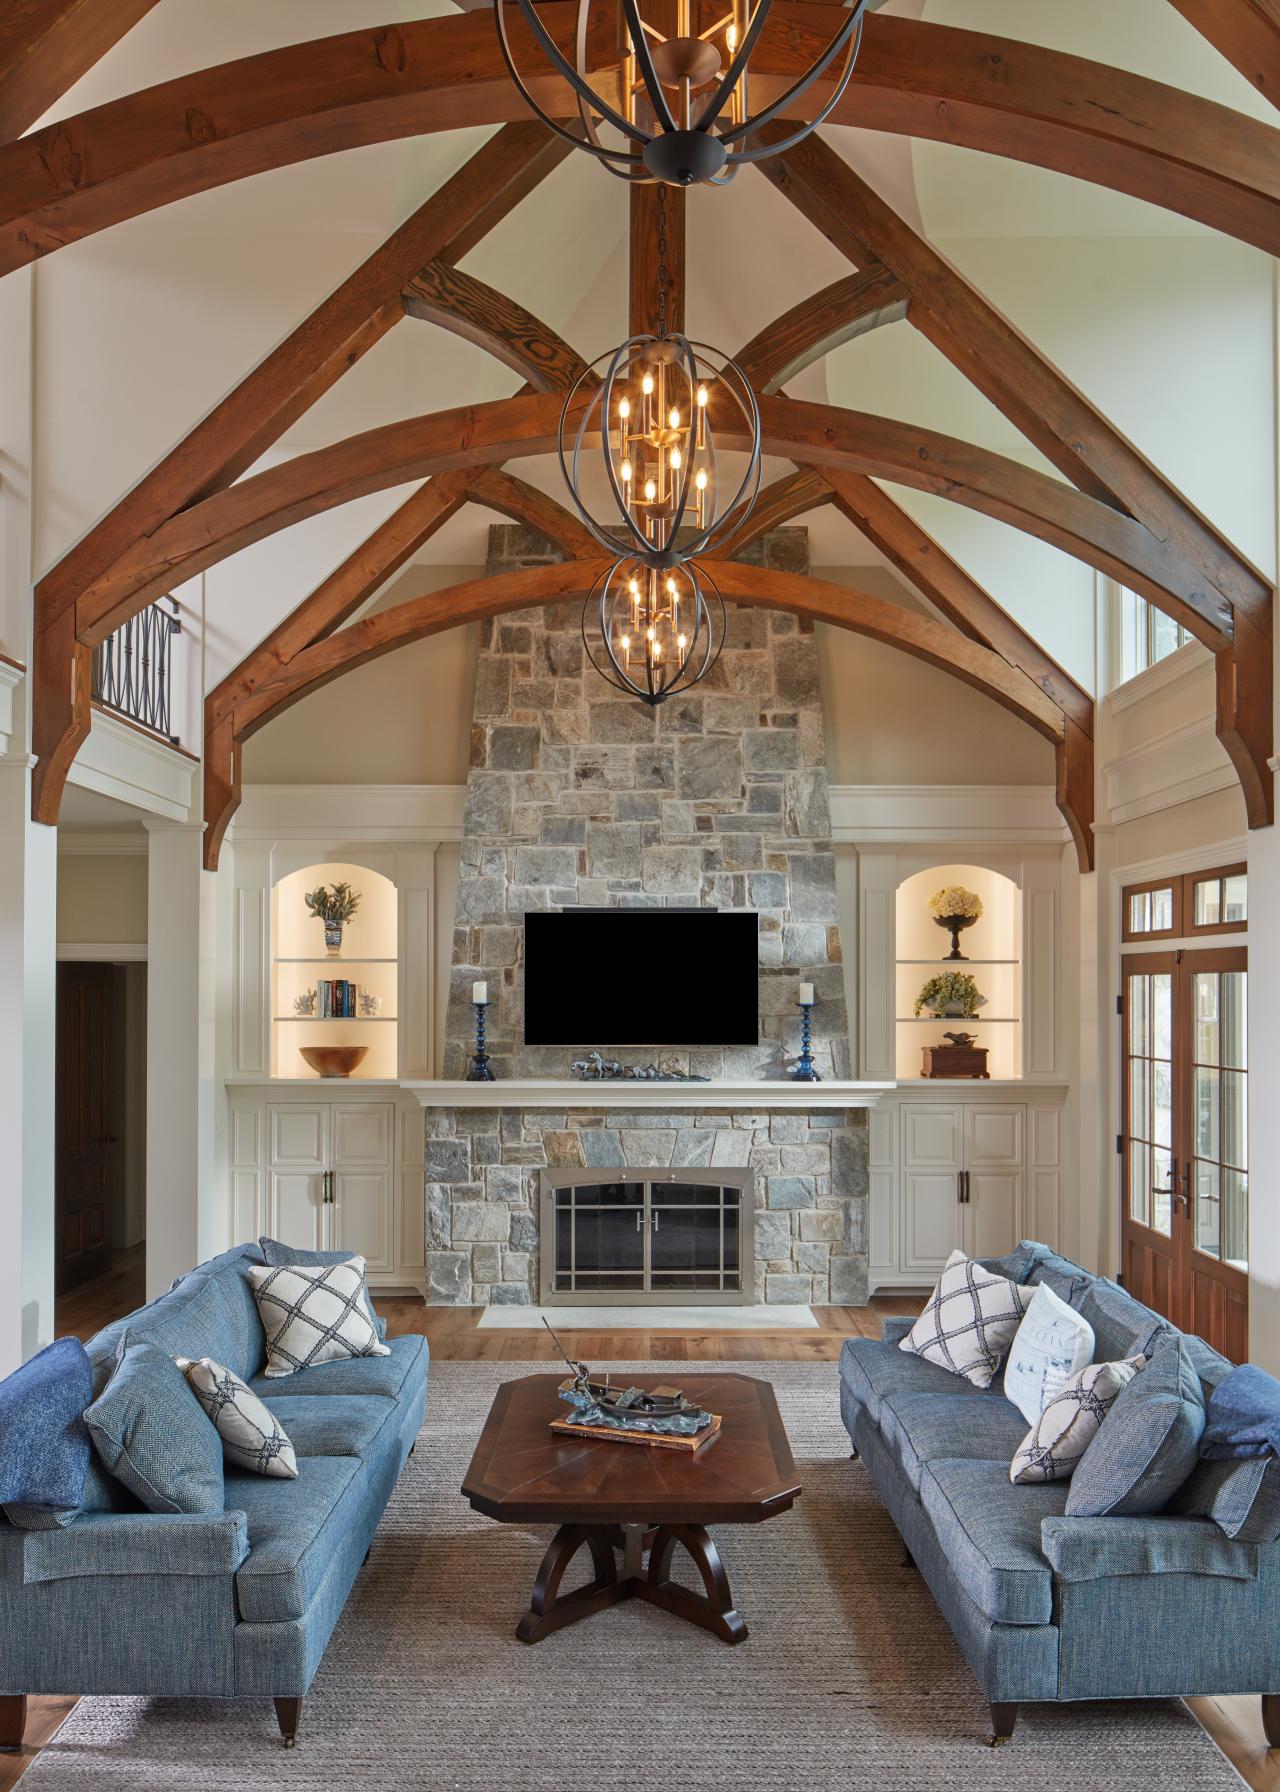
{"x": 951, "y": 993}
{"x": 335, "y": 906}
{"x": 955, "y": 908}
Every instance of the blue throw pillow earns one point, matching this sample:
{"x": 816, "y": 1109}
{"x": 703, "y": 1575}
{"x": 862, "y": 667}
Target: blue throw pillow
{"x": 1244, "y": 1415}
{"x": 152, "y": 1433}
{"x": 1149, "y": 1442}
{"x": 44, "y": 1447}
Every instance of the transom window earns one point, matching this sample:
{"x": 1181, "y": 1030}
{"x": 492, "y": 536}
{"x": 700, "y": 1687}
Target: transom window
{"x": 1147, "y": 635}
{"x": 1200, "y": 902}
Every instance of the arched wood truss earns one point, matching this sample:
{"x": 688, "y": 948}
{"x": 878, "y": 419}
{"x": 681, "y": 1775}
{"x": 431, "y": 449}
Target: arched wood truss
{"x": 1110, "y": 507}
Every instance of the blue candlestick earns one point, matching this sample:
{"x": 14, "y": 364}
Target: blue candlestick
{"x": 805, "y": 1071}
{"x": 480, "y": 1071}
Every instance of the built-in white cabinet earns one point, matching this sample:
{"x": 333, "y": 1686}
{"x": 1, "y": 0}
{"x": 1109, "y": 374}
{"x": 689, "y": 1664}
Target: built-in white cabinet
{"x": 339, "y": 1173}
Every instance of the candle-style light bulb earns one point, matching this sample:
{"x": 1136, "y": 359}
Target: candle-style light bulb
{"x": 671, "y": 589}
{"x": 702, "y": 396}
{"x": 634, "y": 588}
{"x": 650, "y": 635}
{"x": 674, "y": 418}
{"x": 731, "y": 39}
{"x": 700, "y": 479}
{"x": 674, "y": 460}
{"x": 646, "y": 385}
{"x": 650, "y": 491}
{"x": 624, "y": 408}
{"x": 681, "y": 643}
{"x": 625, "y": 472}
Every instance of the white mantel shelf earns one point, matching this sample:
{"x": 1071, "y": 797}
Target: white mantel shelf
{"x": 558, "y": 1092}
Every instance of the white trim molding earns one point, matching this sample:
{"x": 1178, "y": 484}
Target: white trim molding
{"x": 1176, "y": 767}
{"x": 131, "y": 766}
{"x": 388, "y": 814}
{"x": 946, "y": 814}
{"x": 1181, "y": 664}
{"x": 109, "y": 952}
{"x": 720, "y": 1092}
{"x": 11, "y": 676}
{"x": 103, "y": 843}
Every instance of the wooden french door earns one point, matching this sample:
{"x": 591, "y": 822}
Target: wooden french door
{"x": 1184, "y": 1150}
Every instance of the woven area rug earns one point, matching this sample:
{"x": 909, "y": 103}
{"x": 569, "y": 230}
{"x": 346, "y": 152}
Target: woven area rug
{"x": 849, "y": 1679}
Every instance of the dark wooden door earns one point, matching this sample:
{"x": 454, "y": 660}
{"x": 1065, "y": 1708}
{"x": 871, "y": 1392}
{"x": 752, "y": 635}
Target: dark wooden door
{"x": 1183, "y": 1140}
{"x": 89, "y": 1121}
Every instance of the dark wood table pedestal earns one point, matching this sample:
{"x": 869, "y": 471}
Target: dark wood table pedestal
{"x": 549, "y": 1610}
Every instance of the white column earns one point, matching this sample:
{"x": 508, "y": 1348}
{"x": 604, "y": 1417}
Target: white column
{"x": 1264, "y": 1110}
{"x": 28, "y": 892}
{"x": 186, "y": 1196}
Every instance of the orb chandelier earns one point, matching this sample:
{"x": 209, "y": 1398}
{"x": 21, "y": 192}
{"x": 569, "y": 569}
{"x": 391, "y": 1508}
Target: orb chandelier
{"x": 653, "y": 409}
{"x": 653, "y": 632}
{"x": 683, "y": 106}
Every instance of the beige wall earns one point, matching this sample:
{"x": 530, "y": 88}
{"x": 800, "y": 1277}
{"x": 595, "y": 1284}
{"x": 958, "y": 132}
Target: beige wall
{"x": 404, "y": 719}
{"x": 891, "y": 719}
{"x": 102, "y": 899}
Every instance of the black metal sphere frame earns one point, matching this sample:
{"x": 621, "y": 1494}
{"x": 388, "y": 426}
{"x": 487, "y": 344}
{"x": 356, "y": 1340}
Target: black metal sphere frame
{"x": 727, "y": 375}
{"x": 684, "y": 680}
{"x": 680, "y": 157}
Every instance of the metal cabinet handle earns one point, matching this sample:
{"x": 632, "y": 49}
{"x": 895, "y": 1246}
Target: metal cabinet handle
{"x": 962, "y": 1187}
{"x": 639, "y": 1219}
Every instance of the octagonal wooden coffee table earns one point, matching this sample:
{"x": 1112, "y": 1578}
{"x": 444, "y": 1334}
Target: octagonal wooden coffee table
{"x": 643, "y": 1500}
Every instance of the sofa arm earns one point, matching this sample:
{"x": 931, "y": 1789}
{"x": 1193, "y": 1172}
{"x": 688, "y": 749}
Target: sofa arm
{"x": 895, "y": 1328}
{"x": 1106, "y": 1548}
{"x": 124, "y": 1543}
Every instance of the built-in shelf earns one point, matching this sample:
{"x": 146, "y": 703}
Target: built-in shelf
{"x": 333, "y": 1020}
{"x": 337, "y": 963}
{"x": 957, "y": 1020}
{"x": 956, "y": 963}
{"x": 992, "y": 949}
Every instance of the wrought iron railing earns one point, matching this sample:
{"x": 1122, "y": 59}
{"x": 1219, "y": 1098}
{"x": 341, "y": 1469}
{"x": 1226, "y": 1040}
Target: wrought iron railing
{"x": 133, "y": 669}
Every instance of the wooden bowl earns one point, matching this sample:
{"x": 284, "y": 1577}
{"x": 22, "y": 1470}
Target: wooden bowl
{"x": 334, "y": 1060}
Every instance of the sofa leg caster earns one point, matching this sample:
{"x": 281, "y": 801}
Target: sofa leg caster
{"x": 1271, "y": 1718}
{"x": 13, "y": 1721}
{"x": 908, "y": 1560}
{"x": 413, "y": 1447}
{"x": 853, "y": 1455}
{"x": 288, "y": 1716}
{"x": 368, "y": 1552}
{"x": 1003, "y": 1718}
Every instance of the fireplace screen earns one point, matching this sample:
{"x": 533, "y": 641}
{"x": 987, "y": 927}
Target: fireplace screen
{"x": 646, "y": 1236}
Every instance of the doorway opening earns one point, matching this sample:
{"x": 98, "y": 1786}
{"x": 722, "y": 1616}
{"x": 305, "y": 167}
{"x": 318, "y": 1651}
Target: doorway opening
{"x": 100, "y": 1176}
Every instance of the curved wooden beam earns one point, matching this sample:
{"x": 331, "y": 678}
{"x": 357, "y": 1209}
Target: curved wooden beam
{"x": 1008, "y": 370}
{"x": 1246, "y": 32}
{"x": 920, "y": 79}
{"x": 45, "y": 47}
{"x": 524, "y": 503}
{"x": 813, "y": 328}
{"x": 387, "y": 630}
{"x": 787, "y": 498}
{"x": 511, "y": 428}
{"x": 441, "y": 294}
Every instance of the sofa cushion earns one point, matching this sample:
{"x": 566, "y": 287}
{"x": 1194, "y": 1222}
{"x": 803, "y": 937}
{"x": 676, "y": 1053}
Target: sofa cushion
{"x": 294, "y": 1529}
{"x": 1149, "y": 1442}
{"x": 1034, "y": 1263}
{"x": 44, "y": 1446}
{"x": 969, "y": 1320}
{"x": 384, "y": 1375}
{"x": 152, "y": 1434}
{"x": 1241, "y": 1495}
{"x": 208, "y": 1317}
{"x": 333, "y": 1424}
{"x": 104, "y": 1347}
{"x": 1083, "y": 1549}
{"x": 871, "y": 1369}
{"x": 923, "y": 1428}
{"x": 989, "y": 1531}
{"x": 1122, "y": 1326}
{"x": 1052, "y": 1344}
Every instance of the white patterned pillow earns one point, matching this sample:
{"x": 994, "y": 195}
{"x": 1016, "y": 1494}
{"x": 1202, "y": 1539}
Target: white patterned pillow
{"x": 1052, "y": 1344}
{"x": 1052, "y": 1449}
{"x": 317, "y": 1314}
{"x": 251, "y": 1436}
{"x": 969, "y": 1321}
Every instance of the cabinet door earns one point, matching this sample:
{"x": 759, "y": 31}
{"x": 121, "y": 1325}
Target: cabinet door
{"x": 298, "y": 1143}
{"x": 932, "y": 1145}
{"x": 361, "y": 1217}
{"x": 994, "y": 1159}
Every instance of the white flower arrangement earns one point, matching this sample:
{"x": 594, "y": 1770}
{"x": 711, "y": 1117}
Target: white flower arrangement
{"x": 955, "y": 900}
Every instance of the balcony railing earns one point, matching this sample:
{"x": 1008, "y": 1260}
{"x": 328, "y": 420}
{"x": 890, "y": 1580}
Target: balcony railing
{"x": 132, "y": 669}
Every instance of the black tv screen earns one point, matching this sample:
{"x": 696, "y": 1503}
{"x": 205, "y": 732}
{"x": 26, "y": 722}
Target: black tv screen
{"x": 627, "y": 976}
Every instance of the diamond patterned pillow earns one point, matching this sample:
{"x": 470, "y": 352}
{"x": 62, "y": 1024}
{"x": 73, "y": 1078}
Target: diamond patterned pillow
{"x": 1054, "y": 1445}
{"x": 970, "y": 1320}
{"x": 317, "y": 1314}
{"x": 251, "y": 1437}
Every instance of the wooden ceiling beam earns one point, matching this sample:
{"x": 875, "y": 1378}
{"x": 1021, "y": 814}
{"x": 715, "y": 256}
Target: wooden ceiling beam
{"x": 458, "y": 302}
{"x": 816, "y": 326}
{"x": 791, "y": 496}
{"x": 656, "y": 257}
{"x": 1008, "y": 370}
{"x": 513, "y": 428}
{"x": 913, "y": 77}
{"x": 45, "y": 47}
{"x": 1246, "y": 32}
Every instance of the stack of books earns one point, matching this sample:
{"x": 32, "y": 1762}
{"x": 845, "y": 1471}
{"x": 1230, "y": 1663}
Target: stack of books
{"x": 335, "y": 999}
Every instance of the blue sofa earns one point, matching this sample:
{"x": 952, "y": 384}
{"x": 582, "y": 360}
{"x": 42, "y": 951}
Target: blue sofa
{"x": 1046, "y": 1607}
{"x": 236, "y": 1604}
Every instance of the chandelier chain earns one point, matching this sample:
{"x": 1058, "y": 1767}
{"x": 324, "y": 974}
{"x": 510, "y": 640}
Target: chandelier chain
{"x": 662, "y": 259}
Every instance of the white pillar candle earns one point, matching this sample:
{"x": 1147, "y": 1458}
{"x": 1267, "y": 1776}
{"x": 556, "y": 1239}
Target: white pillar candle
{"x": 479, "y": 992}
{"x": 806, "y": 994}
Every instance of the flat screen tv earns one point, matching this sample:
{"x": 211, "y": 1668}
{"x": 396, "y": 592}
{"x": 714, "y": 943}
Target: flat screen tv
{"x": 627, "y": 976}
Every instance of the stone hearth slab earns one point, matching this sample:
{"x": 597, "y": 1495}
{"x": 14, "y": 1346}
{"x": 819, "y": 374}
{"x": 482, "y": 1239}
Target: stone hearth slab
{"x": 763, "y": 1318}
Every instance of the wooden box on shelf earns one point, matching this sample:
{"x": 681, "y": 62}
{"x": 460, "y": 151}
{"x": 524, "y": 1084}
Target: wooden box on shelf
{"x": 955, "y": 1061}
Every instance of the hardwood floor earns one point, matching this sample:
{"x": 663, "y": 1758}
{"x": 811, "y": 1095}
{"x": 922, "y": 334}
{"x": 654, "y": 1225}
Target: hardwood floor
{"x": 1235, "y": 1724}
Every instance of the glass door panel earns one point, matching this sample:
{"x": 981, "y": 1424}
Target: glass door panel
{"x": 1149, "y": 1098}
{"x": 1220, "y": 1115}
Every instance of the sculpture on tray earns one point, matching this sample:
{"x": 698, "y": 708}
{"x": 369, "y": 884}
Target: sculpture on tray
{"x": 662, "y": 1412}
{"x": 595, "y": 1068}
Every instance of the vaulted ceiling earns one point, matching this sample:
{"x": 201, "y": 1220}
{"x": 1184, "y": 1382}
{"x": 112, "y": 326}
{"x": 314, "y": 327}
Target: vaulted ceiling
{"x": 387, "y": 128}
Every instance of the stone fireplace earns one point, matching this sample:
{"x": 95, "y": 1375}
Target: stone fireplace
{"x": 580, "y": 795}
{"x": 655, "y": 1236}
